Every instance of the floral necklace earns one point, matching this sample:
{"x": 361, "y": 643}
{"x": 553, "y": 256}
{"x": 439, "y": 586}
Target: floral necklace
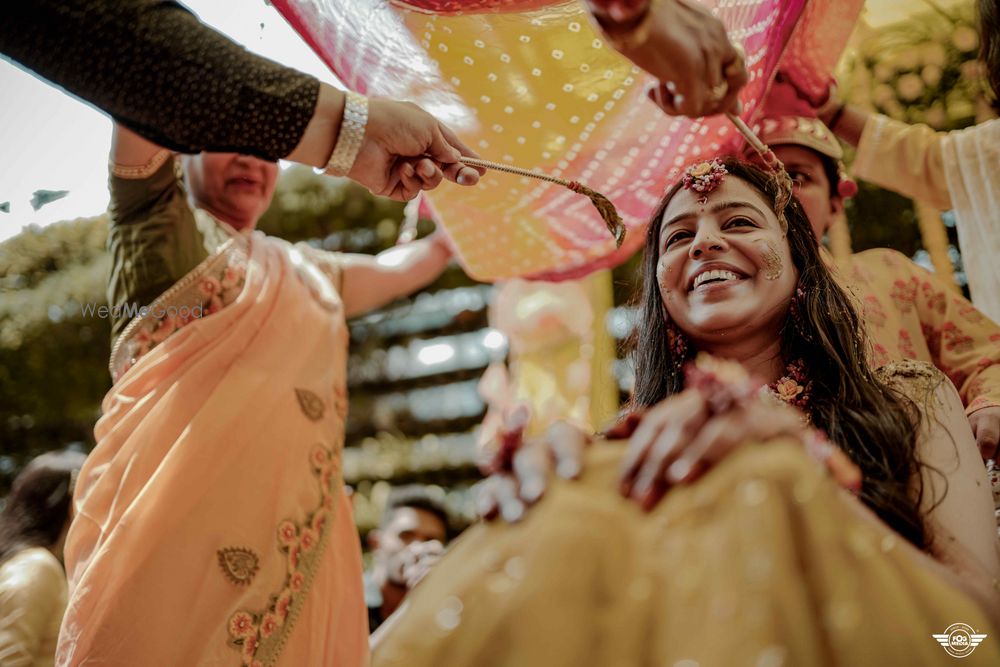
{"x": 794, "y": 386}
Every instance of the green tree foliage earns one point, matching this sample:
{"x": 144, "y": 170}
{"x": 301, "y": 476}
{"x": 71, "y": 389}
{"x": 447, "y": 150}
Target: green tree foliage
{"x": 53, "y": 357}
{"x": 924, "y": 70}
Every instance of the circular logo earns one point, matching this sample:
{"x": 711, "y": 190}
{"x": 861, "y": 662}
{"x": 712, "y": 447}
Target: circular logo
{"x": 961, "y": 640}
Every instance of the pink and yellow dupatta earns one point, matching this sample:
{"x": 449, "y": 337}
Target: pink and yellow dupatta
{"x": 212, "y": 525}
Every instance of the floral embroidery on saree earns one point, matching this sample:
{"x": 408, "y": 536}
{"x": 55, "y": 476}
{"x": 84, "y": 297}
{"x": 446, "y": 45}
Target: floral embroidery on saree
{"x": 238, "y": 564}
{"x": 311, "y": 404}
{"x": 260, "y": 634}
{"x": 207, "y": 289}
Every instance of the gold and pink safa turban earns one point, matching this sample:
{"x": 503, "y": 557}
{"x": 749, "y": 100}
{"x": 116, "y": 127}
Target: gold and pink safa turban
{"x": 530, "y": 83}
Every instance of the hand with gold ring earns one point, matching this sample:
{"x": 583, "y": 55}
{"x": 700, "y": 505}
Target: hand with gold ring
{"x": 681, "y": 44}
{"x": 718, "y": 92}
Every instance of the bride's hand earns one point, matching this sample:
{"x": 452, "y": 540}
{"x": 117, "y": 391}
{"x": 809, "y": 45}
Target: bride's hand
{"x": 521, "y": 469}
{"x": 680, "y": 439}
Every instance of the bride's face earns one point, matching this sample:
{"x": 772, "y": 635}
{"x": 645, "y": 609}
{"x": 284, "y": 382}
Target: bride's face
{"x": 725, "y": 268}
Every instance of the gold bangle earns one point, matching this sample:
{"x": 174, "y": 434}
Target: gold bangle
{"x": 350, "y": 136}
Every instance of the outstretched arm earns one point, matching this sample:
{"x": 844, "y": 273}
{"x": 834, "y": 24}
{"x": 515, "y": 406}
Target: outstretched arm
{"x": 904, "y": 158}
{"x": 371, "y": 281}
{"x": 159, "y": 71}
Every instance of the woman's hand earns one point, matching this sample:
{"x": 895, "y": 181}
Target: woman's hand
{"x": 408, "y": 567}
{"x": 680, "y": 43}
{"x": 985, "y": 424}
{"x": 521, "y": 469}
{"x": 406, "y": 150}
{"x": 680, "y": 439}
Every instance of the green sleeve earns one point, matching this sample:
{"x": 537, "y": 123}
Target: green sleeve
{"x": 153, "y": 240}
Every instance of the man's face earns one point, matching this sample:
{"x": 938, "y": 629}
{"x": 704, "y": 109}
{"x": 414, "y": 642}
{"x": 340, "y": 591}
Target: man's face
{"x": 812, "y": 187}
{"x": 406, "y": 526}
{"x": 236, "y": 188}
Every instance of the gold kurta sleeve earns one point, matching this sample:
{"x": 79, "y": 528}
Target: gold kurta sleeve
{"x": 904, "y": 158}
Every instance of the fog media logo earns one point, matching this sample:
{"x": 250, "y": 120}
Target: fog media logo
{"x": 959, "y": 640}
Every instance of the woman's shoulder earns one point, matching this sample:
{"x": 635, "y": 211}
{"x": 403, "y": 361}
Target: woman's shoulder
{"x": 37, "y": 561}
{"x": 33, "y": 572}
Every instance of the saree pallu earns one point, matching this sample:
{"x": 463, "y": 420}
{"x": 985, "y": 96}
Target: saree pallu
{"x": 763, "y": 562}
{"x": 212, "y": 524}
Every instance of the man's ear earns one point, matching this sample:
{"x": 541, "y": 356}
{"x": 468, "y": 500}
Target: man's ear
{"x": 374, "y": 539}
{"x": 836, "y": 207}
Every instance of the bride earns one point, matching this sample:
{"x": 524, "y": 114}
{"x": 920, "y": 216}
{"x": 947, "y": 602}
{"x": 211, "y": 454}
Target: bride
{"x": 748, "y": 552}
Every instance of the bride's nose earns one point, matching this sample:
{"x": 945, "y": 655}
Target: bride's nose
{"x": 707, "y": 241}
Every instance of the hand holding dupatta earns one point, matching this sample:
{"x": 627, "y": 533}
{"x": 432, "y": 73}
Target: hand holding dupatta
{"x": 681, "y": 44}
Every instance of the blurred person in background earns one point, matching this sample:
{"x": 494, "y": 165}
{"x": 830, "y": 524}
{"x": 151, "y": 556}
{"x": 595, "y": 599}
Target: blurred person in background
{"x": 33, "y": 526}
{"x": 409, "y": 540}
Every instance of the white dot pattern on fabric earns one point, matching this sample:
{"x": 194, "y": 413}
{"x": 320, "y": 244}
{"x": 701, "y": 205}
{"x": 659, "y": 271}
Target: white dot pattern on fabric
{"x": 545, "y": 94}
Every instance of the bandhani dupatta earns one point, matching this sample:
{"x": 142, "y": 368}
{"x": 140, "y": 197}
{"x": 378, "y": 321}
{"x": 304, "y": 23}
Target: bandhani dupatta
{"x": 212, "y": 525}
{"x": 529, "y": 83}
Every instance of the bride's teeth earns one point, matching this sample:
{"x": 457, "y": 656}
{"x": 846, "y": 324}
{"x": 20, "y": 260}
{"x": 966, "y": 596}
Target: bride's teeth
{"x": 716, "y": 274}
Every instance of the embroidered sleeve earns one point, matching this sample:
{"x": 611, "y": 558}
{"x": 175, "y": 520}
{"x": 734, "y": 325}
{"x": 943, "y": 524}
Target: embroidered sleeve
{"x": 143, "y": 171}
{"x": 917, "y": 380}
{"x": 153, "y": 239}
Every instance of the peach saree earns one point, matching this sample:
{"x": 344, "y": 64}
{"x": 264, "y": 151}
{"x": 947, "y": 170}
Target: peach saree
{"x": 212, "y": 524}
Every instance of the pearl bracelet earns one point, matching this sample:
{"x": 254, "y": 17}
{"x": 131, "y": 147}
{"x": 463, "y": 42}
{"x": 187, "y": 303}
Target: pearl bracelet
{"x": 352, "y": 132}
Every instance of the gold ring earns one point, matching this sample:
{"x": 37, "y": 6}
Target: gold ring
{"x": 718, "y": 92}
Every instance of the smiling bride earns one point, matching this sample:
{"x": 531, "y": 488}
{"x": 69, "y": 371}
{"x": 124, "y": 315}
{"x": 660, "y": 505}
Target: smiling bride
{"x": 777, "y": 502}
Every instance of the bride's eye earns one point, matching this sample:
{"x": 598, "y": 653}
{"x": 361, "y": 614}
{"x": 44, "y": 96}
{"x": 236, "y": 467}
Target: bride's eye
{"x": 740, "y": 221}
{"x": 675, "y": 237}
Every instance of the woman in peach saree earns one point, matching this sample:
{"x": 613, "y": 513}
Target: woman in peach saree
{"x": 212, "y": 524}
{"x": 748, "y": 552}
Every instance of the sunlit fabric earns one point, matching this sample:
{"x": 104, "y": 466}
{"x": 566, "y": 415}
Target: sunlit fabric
{"x": 529, "y": 83}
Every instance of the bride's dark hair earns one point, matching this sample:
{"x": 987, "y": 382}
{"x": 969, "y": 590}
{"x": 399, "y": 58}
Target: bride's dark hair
{"x": 872, "y": 423}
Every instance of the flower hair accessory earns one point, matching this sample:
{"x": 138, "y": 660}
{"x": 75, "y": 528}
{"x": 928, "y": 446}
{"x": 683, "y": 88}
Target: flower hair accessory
{"x": 704, "y": 176}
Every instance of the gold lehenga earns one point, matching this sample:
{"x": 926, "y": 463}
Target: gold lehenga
{"x": 763, "y": 562}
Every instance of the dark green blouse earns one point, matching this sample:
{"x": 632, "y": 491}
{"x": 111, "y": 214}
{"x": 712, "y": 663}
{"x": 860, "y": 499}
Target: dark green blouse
{"x": 154, "y": 239}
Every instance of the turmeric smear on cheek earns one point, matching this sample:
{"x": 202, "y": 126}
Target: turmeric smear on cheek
{"x": 773, "y": 267}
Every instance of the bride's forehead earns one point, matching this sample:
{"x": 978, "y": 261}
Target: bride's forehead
{"x": 731, "y": 190}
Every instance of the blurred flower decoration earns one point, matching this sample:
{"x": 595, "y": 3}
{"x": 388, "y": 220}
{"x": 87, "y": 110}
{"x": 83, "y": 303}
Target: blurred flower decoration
{"x": 923, "y": 70}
